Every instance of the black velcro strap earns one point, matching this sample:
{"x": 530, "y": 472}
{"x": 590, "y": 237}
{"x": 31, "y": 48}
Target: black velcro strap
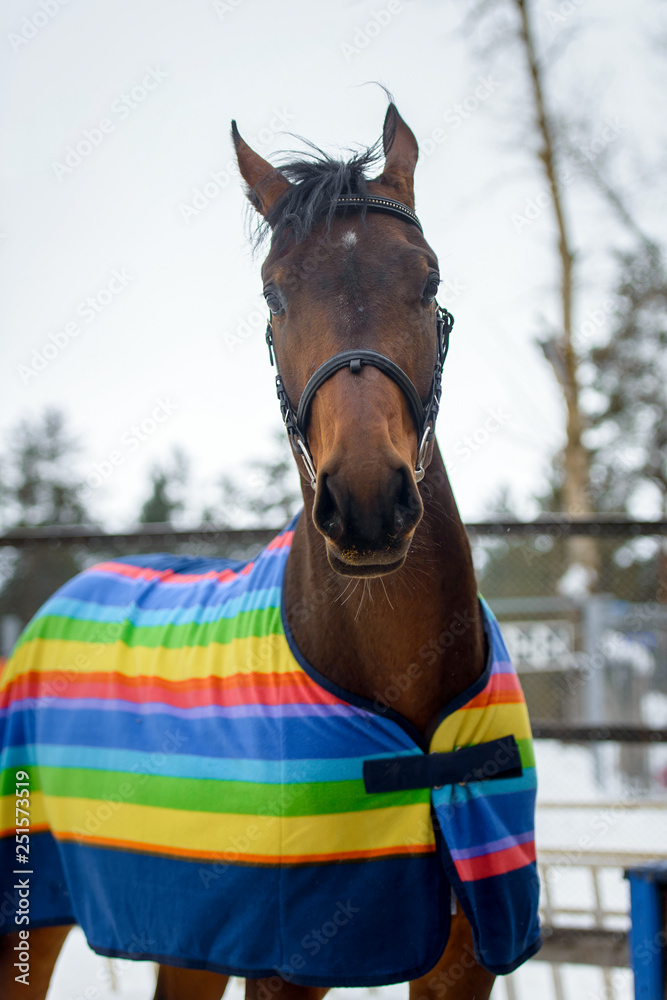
{"x": 495, "y": 759}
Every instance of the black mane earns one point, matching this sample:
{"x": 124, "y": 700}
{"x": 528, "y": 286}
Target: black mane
{"x": 317, "y": 182}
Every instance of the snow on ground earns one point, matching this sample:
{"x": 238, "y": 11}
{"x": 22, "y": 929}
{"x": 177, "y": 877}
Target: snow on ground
{"x": 82, "y": 975}
{"x": 567, "y": 775}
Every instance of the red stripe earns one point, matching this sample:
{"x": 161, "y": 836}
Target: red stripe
{"x": 239, "y": 689}
{"x": 282, "y": 541}
{"x": 502, "y": 689}
{"x": 471, "y": 869}
{"x": 167, "y": 575}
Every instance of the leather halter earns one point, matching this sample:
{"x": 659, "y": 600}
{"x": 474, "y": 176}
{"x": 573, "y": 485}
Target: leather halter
{"x": 423, "y": 414}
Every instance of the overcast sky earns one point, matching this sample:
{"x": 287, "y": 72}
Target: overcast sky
{"x": 130, "y": 297}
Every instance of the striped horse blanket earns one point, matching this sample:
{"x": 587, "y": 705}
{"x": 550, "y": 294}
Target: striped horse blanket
{"x": 198, "y": 794}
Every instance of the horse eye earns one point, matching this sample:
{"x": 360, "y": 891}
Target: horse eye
{"x": 430, "y": 288}
{"x": 274, "y": 301}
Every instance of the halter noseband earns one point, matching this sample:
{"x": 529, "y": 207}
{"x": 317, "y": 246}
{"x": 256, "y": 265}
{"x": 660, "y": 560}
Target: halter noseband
{"x": 423, "y": 414}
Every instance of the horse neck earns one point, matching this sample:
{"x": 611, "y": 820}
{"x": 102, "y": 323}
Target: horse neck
{"x": 412, "y": 640}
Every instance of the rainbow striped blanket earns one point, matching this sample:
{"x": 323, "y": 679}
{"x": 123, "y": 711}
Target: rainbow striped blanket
{"x": 200, "y": 795}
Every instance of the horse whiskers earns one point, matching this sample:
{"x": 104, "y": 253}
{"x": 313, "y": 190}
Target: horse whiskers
{"x": 386, "y": 594}
{"x": 436, "y": 506}
{"x": 344, "y": 591}
{"x": 351, "y": 592}
{"x": 361, "y": 600}
{"x": 411, "y": 577}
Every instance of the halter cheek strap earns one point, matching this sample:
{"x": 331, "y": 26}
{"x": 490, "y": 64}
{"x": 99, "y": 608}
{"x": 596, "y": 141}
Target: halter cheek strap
{"x": 423, "y": 414}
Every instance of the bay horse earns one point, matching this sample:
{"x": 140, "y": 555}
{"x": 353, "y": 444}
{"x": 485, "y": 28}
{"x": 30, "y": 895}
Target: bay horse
{"x": 401, "y": 846}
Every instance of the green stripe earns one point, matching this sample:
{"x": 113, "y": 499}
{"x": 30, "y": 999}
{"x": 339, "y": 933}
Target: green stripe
{"x": 527, "y": 752}
{"x": 8, "y": 779}
{"x": 246, "y": 624}
{"x": 208, "y": 795}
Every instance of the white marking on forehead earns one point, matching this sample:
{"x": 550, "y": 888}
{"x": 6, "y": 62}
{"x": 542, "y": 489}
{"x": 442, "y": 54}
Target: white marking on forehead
{"x": 349, "y": 239}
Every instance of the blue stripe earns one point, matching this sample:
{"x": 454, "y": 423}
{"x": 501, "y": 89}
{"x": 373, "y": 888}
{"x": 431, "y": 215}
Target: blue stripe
{"x": 162, "y": 561}
{"x": 186, "y": 766}
{"x": 145, "y": 708}
{"x": 499, "y": 647}
{"x": 265, "y": 738}
{"x": 107, "y": 589}
{"x": 481, "y": 820}
{"x": 251, "y": 600}
{"x": 458, "y": 796}
{"x": 358, "y": 935}
{"x": 511, "y": 840}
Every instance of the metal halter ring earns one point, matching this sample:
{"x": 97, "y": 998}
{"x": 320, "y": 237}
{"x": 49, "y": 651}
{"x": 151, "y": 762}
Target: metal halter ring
{"x": 307, "y": 461}
{"x": 420, "y": 471}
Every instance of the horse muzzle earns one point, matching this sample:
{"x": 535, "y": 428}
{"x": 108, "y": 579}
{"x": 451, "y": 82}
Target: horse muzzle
{"x": 367, "y": 533}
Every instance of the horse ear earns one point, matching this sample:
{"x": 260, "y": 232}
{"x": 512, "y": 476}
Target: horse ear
{"x": 265, "y": 183}
{"x": 401, "y": 152}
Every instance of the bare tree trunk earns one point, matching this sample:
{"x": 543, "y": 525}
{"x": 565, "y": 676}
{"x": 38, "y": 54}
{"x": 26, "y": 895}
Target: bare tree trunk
{"x": 576, "y": 458}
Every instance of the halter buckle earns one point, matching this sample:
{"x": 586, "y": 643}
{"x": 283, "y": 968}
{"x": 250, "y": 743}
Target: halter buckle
{"x": 420, "y": 471}
{"x": 307, "y": 461}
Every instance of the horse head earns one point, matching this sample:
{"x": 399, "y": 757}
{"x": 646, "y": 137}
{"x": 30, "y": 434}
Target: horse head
{"x": 350, "y": 283}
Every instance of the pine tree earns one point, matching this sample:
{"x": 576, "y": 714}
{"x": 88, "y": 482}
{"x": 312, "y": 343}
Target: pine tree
{"x": 628, "y": 374}
{"x": 38, "y": 488}
{"x": 271, "y": 491}
{"x": 168, "y": 483}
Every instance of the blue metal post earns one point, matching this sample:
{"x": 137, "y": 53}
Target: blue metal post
{"x": 648, "y": 933}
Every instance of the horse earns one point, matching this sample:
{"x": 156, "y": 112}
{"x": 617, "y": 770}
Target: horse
{"x": 401, "y": 847}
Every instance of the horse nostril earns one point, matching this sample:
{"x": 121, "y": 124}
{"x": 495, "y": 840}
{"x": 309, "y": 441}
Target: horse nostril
{"x": 368, "y": 523}
{"x": 407, "y": 506}
{"x": 326, "y": 514}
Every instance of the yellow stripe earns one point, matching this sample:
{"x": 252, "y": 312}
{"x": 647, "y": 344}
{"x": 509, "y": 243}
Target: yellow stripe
{"x": 477, "y": 725}
{"x": 37, "y": 812}
{"x": 266, "y": 655}
{"x": 153, "y": 826}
